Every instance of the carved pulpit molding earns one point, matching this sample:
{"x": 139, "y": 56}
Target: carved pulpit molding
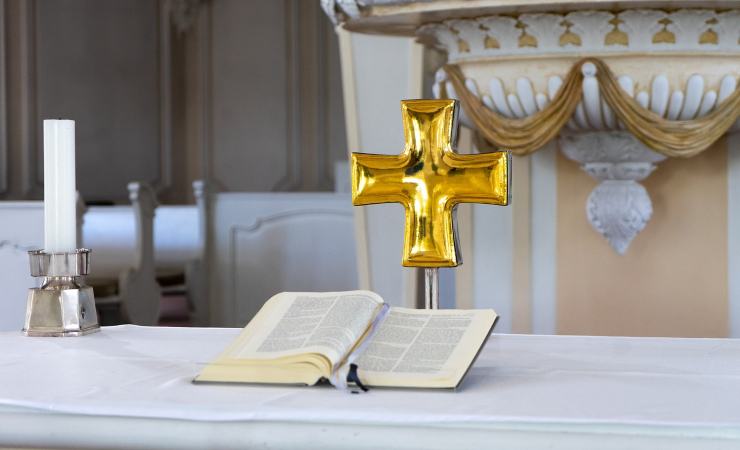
{"x": 594, "y": 32}
{"x": 619, "y": 207}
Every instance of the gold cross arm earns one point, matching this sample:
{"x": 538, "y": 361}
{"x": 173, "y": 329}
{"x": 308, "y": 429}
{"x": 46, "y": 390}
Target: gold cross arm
{"x": 429, "y": 179}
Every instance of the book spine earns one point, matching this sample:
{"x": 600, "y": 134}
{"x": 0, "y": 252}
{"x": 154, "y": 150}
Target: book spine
{"x": 340, "y": 373}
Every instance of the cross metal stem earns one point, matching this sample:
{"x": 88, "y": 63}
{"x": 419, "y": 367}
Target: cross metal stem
{"x": 431, "y": 288}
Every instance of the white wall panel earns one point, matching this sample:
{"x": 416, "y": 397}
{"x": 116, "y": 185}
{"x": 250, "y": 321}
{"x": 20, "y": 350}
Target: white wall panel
{"x": 21, "y": 230}
{"x": 733, "y": 229}
{"x": 378, "y": 73}
{"x": 265, "y": 243}
{"x": 543, "y": 216}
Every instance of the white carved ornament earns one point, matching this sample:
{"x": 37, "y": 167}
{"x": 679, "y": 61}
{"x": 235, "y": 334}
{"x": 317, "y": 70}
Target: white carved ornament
{"x": 338, "y": 10}
{"x": 618, "y": 210}
{"x": 619, "y": 207}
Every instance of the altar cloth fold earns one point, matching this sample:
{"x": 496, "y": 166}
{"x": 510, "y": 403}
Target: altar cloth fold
{"x": 651, "y": 385}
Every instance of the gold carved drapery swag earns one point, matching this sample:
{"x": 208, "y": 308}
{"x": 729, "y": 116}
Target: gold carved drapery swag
{"x": 675, "y": 138}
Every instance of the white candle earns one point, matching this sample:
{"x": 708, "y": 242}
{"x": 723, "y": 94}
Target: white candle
{"x": 60, "y": 211}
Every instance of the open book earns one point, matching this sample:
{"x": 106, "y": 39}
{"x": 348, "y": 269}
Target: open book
{"x": 303, "y": 337}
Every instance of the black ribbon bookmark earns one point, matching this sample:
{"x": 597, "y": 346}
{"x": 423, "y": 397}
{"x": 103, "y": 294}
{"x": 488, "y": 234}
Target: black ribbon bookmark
{"x": 352, "y": 377}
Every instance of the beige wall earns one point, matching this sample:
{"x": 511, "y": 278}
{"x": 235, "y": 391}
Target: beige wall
{"x": 673, "y": 279}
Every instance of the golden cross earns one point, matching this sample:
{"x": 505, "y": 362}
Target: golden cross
{"x": 429, "y": 179}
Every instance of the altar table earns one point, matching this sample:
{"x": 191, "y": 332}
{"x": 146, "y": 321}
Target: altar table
{"x": 130, "y": 387}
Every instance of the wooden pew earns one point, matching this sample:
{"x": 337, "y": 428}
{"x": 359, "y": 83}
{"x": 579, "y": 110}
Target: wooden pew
{"x": 122, "y": 260}
{"x": 264, "y": 243}
{"x": 21, "y": 230}
{"x": 179, "y": 237}
{"x": 179, "y": 246}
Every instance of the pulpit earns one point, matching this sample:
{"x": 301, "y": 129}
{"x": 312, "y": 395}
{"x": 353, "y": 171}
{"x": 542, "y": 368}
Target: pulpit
{"x": 620, "y": 90}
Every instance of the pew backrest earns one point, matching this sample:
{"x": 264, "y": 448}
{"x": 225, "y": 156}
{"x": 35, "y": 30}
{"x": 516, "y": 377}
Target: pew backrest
{"x": 265, "y": 243}
{"x": 121, "y": 236}
{"x": 21, "y": 230}
{"x": 109, "y": 231}
{"x": 144, "y": 203}
{"x": 180, "y": 232}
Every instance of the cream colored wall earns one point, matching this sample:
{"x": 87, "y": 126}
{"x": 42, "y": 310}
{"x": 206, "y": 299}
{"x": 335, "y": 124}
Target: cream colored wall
{"x": 673, "y": 280}
{"x": 377, "y": 72}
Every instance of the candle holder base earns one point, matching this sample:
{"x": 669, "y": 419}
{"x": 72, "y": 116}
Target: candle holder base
{"x": 63, "y": 306}
{"x": 61, "y": 312}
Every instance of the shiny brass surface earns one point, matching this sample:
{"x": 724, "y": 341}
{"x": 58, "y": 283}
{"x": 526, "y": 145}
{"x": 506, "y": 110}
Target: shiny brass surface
{"x": 429, "y": 179}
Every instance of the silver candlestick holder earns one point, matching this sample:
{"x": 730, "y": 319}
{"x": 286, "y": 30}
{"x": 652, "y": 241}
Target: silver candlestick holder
{"x": 63, "y": 305}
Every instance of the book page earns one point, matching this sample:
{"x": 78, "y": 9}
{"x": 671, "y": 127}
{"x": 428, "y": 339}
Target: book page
{"x": 295, "y": 323}
{"x": 424, "y": 348}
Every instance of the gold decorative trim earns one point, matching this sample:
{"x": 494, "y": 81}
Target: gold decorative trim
{"x": 586, "y": 31}
{"x": 674, "y": 138}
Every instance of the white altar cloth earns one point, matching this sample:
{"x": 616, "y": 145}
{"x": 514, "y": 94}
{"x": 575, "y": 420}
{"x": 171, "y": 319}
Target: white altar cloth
{"x": 130, "y": 387}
